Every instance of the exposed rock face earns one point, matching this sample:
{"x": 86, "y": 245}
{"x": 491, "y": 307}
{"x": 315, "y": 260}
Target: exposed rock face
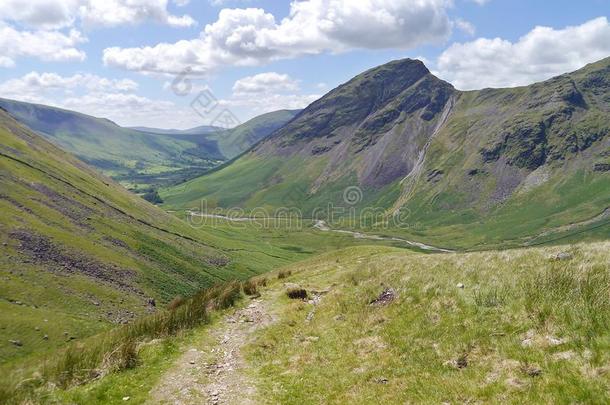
{"x": 43, "y": 252}
{"x": 387, "y": 296}
{"x": 523, "y": 143}
{"x": 381, "y": 116}
{"x": 378, "y": 125}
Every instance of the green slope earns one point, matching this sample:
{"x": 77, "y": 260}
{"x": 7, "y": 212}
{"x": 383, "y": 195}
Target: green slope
{"x": 127, "y": 155}
{"x": 79, "y": 253}
{"x": 521, "y": 329}
{"x": 235, "y": 141}
{"x": 463, "y": 169}
{"x": 385, "y": 325}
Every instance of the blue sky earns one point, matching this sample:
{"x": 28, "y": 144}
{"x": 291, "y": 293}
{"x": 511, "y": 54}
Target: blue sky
{"x": 119, "y": 58}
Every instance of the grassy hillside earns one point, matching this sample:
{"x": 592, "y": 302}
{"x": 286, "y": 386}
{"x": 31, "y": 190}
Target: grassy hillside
{"x": 385, "y": 325}
{"x": 130, "y": 156}
{"x": 79, "y": 253}
{"x": 498, "y": 327}
{"x": 235, "y": 141}
{"x": 462, "y": 169}
{"x": 144, "y": 158}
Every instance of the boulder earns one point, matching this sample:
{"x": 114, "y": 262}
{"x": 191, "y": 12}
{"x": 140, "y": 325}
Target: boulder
{"x": 561, "y": 256}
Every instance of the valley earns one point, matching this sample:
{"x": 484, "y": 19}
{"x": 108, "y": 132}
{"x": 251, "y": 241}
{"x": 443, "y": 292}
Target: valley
{"x": 143, "y": 159}
{"x": 81, "y": 254}
{"x": 397, "y": 240}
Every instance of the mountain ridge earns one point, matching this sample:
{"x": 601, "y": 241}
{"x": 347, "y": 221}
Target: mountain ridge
{"x": 203, "y": 129}
{"x": 488, "y": 152}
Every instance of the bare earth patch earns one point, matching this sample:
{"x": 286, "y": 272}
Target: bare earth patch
{"x": 216, "y": 375}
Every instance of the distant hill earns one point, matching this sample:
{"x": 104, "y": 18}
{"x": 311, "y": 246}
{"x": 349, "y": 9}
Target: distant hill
{"x": 234, "y": 141}
{"x": 204, "y": 129}
{"x": 469, "y": 169}
{"x": 231, "y": 142}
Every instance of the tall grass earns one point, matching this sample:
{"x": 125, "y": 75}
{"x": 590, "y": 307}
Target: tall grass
{"x": 251, "y": 286}
{"x": 571, "y": 296}
{"x": 117, "y": 349}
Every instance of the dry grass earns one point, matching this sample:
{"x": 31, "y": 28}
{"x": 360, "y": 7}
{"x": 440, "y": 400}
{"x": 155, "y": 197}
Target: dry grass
{"x": 251, "y": 287}
{"x": 175, "y": 303}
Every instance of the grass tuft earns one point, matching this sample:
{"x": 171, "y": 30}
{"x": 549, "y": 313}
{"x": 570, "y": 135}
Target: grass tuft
{"x": 175, "y": 303}
{"x": 250, "y": 287}
{"x": 284, "y": 274}
{"x": 572, "y": 297}
{"x": 297, "y": 294}
{"x": 491, "y": 298}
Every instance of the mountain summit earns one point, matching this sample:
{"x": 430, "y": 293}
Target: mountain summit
{"x": 452, "y": 159}
{"x": 368, "y": 121}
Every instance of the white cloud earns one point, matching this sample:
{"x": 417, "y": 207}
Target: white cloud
{"x": 5, "y": 61}
{"x": 41, "y": 14}
{"x": 55, "y": 14}
{"x": 126, "y": 109}
{"x": 245, "y": 37}
{"x": 100, "y": 97}
{"x": 541, "y": 54}
{"x": 119, "y": 12}
{"x": 465, "y": 26}
{"x": 53, "y": 46}
{"x": 116, "y": 99}
{"x": 481, "y": 2}
{"x": 279, "y": 91}
{"x": 261, "y": 83}
{"x": 35, "y": 84}
{"x": 273, "y": 102}
{"x": 39, "y": 28}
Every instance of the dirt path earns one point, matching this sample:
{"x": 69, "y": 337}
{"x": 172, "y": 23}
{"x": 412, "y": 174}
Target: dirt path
{"x": 214, "y": 375}
{"x": 323, "y": 226}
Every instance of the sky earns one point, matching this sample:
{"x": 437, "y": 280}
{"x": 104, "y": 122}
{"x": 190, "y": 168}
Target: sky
{"x": 185, "y": 63}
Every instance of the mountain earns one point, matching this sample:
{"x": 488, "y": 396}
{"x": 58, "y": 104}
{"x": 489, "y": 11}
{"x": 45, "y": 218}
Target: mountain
{"x": 127, "y": 155}
{"x": 235, "y": 141}
{"x": 79, "y": 253}
{"x": 467, "y": 169}
{"x": 204, "y": 129}
{"x": 231, "y": 142}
